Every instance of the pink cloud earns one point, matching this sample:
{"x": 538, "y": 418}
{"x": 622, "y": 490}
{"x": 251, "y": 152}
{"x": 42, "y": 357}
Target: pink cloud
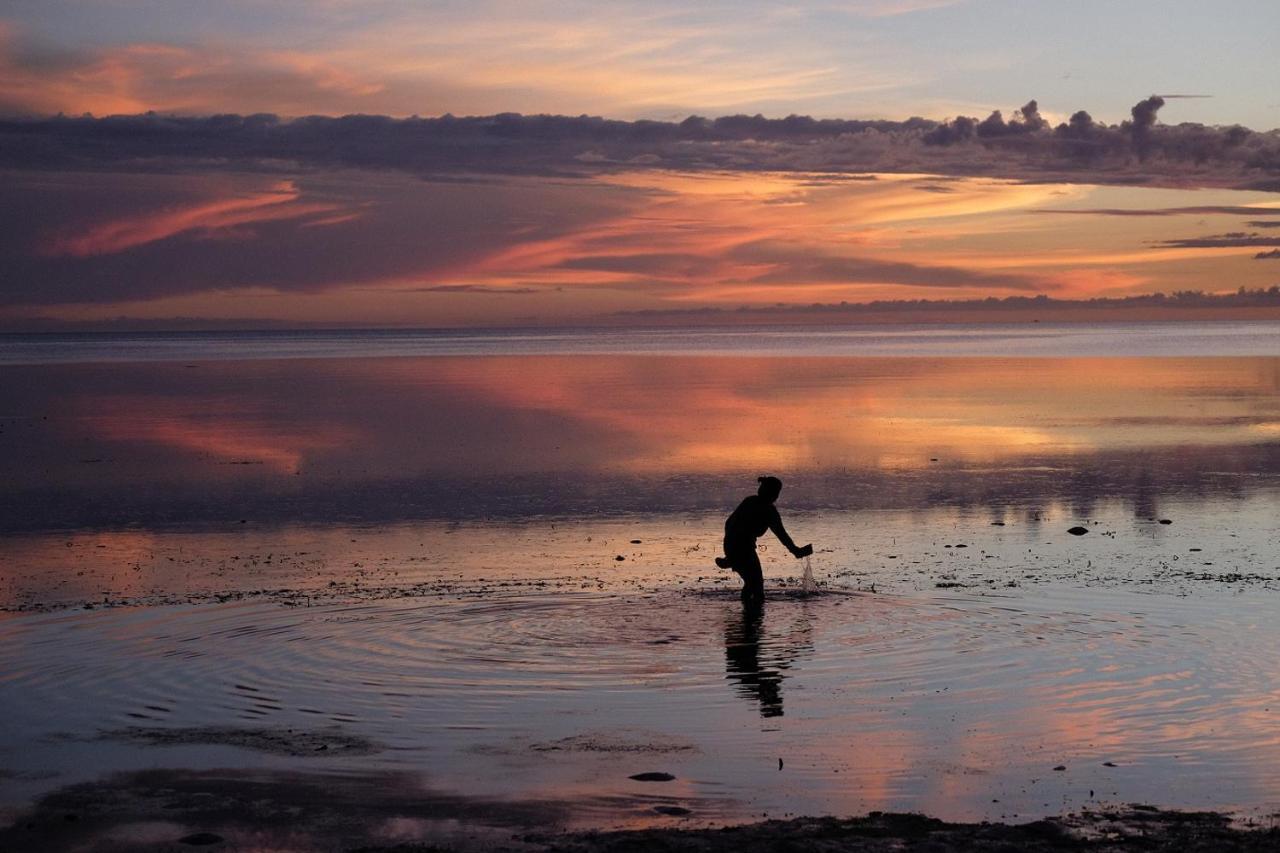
{"x": 212, "y": 218}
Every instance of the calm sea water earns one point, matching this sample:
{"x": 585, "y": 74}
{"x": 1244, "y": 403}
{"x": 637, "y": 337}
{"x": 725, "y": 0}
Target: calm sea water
{"x": 497, "y": 572}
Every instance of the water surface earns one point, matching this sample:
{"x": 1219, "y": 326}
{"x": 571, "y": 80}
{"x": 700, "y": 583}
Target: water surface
{"x": 496, "y": 572}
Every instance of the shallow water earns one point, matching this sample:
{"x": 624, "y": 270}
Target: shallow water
{"x": 955, "y": 687}
{"x": 494, "y": 577}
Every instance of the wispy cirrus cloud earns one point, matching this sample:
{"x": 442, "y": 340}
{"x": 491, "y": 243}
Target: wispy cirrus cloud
{"x": 215, "y": 219}
{"x": 806, "y": 264}
{"x": 427, "y": 59}
{"x": 1192, "y": 210}
{"x": 1234, "y": 239}
{"x": 469, "y": 288}
{"x": 193, "y": 78}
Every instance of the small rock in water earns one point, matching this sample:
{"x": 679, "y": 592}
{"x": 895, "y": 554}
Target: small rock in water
{"x": 1166, "y": 521}
{"x": 200, "y": 839}
{"x": 1108, "y": 764}
{"x": 1078, "y": 530}
{"x": 653, "y": 777}
{"x": 1060, "y": 767}
{"x": 674, "y": 811}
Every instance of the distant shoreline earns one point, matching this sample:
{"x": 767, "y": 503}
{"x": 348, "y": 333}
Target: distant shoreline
{"x": 1189, "y": 333}
{"x": 925, "y": 312}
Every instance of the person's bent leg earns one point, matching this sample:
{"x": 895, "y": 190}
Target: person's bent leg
{"x": 752, "y": 577}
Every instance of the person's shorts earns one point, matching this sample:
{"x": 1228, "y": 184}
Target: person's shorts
{"x": 740, "y": 558}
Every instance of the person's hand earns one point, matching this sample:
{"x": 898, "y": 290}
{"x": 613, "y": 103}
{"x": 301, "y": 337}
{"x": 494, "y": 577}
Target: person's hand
{"x": 803, "y": 552}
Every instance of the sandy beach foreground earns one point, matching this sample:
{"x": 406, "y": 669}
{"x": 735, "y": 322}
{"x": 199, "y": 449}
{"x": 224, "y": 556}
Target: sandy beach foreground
{"x": 187, "y": 810}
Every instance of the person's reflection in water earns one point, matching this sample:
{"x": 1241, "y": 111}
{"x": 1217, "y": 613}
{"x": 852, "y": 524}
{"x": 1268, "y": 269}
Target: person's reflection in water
{"x": 742, "y": 660}
{"x": 745, "y": 525}
{"x": 757, "y": 659}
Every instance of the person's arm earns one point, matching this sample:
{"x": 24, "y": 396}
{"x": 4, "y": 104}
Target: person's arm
{"x": 775, "y": 524}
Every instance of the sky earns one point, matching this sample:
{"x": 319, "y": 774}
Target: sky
{"x": 398, "y": 222}
{"x": 625, "y": 59}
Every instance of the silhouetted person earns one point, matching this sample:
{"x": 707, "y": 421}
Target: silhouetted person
{"x": 745, "y": 525}
{"x": 742, "y": 660}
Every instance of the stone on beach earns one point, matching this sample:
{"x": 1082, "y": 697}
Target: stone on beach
{"x": 200, "y": 839}
{"x": 673, "y": 811}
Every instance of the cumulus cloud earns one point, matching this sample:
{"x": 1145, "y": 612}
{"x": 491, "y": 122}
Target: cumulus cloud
{"x": 1144, "y": 112}
{"x": 1084, "y": 150}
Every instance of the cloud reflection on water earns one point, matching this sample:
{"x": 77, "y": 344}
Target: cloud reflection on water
{"x": 385, "y": 439}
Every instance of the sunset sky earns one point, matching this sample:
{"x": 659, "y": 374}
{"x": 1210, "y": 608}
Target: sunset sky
{"x": 626, "y": 59}
{"x": 101, "y": 223}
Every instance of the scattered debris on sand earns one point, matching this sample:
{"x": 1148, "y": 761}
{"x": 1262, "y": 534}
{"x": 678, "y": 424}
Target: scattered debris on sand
{"x": 1098, "y": 832}
{"x": 261, "y": 809}
{"x": 619, "y": 742}
{"x": 277, "y": 741}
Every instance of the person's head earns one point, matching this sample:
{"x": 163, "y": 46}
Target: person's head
{"x": 770, "y": 488}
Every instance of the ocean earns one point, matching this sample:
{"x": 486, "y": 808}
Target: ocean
{"x": 478, "y": 566}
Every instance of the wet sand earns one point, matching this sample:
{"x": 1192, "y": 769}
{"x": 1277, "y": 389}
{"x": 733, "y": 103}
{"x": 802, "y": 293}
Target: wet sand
{"x": 164, "y": 811}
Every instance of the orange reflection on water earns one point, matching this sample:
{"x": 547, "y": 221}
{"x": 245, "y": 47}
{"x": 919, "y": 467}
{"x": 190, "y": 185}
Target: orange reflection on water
{"x": 720, "y": 414}
{"x": 217, "y": 428}
{"x": 399, "y": 437}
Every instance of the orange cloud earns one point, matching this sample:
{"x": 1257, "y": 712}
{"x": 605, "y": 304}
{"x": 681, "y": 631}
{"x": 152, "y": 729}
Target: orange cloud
{"x": 276, "y": 202}
{"x": 523, "y": 248}
{"x": 768, "y": 237}
{"x": 141, "y": 76}
{"x": 428, "y": 61}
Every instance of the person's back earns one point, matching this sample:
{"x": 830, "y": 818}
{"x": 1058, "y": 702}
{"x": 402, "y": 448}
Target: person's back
{"x": 750, "y": 520}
